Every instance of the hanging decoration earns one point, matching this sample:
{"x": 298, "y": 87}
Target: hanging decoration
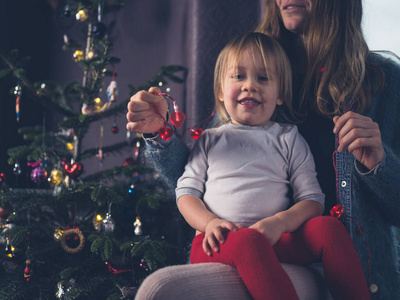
{"x": 17, "y": 93}
{"x": 27, "y": 271}
{"x": 131, "y": 189}
{"x": 38, "y": 174}
{"x": 69, "y": 233}
{"x": 98, "y": 103}
{"x": 82, "y": 15}
{"x": 97, "y": 222}
{"x": 64, "y": 287}
{"x": 115, "y": 271}
{"x": 100, "y": 152}
{"x": 5, "y": 211}
{"x": 108, "y": 222}
{"x": 3, "y": 177}
{"x": 92, "y": 54}
{"x": 136, "y": 150}
{"x": 56, "y": 177}
{"x": 138, "y": 226}
{"x": 99, "y": 29}
{"x": 115, "y": 129}
{"x": 58, "y": 234}
{"x": 177, "y": 118}
{"x": 112, "y": 89}
{"x": 78, "y": 55}
{"x": 73, "y": 169}
{"x": 10, "y": 250}
{"x": 337, "y": 211}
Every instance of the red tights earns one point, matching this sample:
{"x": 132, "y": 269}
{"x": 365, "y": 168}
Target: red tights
{"x": 258, "y": 263}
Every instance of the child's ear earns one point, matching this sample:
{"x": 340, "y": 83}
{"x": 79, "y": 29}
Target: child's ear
{"x": 279, "y": 102}
{"x": 221, "y": 97}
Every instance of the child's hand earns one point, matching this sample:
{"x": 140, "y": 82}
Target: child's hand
{"x": 146, "y": 112}
{"x": 272, "y": 228}
{"x": 214, "y": 234}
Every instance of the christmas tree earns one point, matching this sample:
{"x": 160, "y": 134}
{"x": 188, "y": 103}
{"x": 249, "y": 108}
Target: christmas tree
{"x": 64, "y": 235}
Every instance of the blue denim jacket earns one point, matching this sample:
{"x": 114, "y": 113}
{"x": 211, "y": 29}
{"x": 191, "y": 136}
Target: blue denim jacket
{"x": 371, "y": 199}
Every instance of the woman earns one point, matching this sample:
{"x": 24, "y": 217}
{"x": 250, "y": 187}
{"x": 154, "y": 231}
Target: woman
{"x": 348, "y": 100}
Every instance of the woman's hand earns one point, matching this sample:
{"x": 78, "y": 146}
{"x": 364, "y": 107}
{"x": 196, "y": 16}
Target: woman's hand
{"x": 214, "y": 234}
{"x": 362, "y": 137}
{"x": 272, "y": 228}
{"x": 146, "y": 111}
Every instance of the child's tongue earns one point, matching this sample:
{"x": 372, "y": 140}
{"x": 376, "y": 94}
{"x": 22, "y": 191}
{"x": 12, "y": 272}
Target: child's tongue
{"x": 249, "y": 103}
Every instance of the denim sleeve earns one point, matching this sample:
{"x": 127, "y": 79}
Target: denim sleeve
{"x": 169, "y": 161}
{"x": 384, "y": 183}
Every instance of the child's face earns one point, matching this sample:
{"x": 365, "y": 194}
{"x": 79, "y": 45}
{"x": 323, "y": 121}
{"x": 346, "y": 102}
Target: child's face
{"x": 249, "y": 96}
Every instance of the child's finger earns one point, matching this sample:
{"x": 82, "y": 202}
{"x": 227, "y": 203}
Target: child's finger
{"x": 219, "y": 236}
{"x": 206, "y": 247}
{"x": 212, "y": 242}
{"x": 228, "y": 225}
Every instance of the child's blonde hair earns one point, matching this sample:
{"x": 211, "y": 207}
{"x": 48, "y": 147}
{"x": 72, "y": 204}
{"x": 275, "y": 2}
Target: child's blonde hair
{"x": 271, "y": 53}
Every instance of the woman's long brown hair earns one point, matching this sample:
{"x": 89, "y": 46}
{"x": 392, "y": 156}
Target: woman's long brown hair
{"x": 336, "y": 50}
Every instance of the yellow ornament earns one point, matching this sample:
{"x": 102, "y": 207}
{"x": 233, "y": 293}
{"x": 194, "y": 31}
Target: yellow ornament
{"x": 97, "y": 222}
{"x": 56, "y": 177}
{"x": 58, "y": 234}
{"x": 70, "y": 147}
{"x": 78, "y": 55}
{"x": 82, "y": 15}
{"x": 99, "y": 104}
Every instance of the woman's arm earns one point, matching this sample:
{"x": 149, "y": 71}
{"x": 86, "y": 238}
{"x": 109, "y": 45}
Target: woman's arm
{"x": 289, "y": 220}
{"x": 146, "y": 114}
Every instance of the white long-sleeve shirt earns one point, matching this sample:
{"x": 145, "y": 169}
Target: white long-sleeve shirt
{"x": 247, "y": 173}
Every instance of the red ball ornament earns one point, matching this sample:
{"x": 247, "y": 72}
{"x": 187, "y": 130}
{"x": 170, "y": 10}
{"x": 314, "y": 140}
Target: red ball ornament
{"x": 5, "y": 211}
{"x": 38, "y": 175}
{"x": 73, "y": 170}
{"x": 337, "y": 211}
{"x": 115, "y": 129}
{"x": 2, "y": 177}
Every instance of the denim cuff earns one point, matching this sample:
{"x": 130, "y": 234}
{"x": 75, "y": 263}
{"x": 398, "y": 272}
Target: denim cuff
{"x": 154, "y": 141}
{"x": 362, "y": 170}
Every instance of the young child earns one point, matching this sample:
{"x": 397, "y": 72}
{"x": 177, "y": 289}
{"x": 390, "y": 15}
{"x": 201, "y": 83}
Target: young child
{"x": 250, "y": 188}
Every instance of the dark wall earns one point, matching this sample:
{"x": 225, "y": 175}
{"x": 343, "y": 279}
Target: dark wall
{"x": 146, "y": 35}
{"x": 24, "y": 25}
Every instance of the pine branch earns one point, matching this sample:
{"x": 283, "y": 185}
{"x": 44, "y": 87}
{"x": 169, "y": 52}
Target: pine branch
{"x": 126, "y": 171}
{"x": 107, "y": 149}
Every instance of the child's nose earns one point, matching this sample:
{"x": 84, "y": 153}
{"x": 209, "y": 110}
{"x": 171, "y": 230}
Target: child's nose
{"x": 249, "y": 85}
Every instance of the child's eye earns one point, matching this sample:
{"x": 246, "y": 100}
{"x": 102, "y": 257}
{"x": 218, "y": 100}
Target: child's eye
{"x": 237, "y": 76}
{"x": 263, "y": 78}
